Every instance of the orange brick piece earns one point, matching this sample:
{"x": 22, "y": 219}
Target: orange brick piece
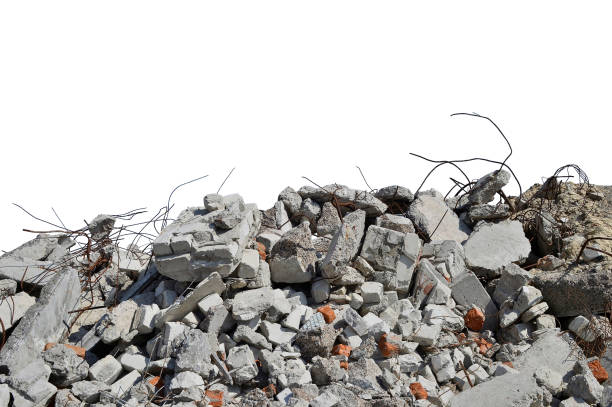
{"x": 270, "y": 390}
{"x": 418, "y": 391}
{"x": 344, "y": 365}
{"x": 156, "y": 381}
{"x": 328, "y": 313}
{"x": 387, "y": 347}
{"x": 341, "y": 349}
{"x": 474, "y": 319}
{"x": 215, "y": 397}
{"x": 262, "y": 250}
{"x": 77, "y": 349}
{"x": 599, "y": 371}
{"x": 483, "y": 345}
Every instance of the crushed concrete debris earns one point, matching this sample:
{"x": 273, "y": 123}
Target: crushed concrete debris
{"x": 332, "y": 297}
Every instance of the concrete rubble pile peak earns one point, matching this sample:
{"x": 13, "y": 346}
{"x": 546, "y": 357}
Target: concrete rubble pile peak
{"x": 331, "y": 297}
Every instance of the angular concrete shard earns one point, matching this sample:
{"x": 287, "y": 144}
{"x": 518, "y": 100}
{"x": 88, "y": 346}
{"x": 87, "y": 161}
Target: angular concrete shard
{"x": 345, "y": 244}
{"x": 486, "y": 187}
{"x": 345, "y": 195}
{"x": 391, "y": 251}
{"x": 176, "y": 312}
{"x": 32, "y": 260}
{"x": 329, "y": 222}
{"x": 430, "y": 214}
{"x": 394, "y": 193}
{"x": 492, "y": 246}
{"x": 293, "y": 257}
{"x": 44, "y": 322}
{"x": 13, "y": 308}
{"x": 467, "y": 290}
{"x": 203, "y": 241}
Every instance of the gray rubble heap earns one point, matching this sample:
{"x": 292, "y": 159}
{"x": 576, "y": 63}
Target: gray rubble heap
{"x": 332, "y": 297}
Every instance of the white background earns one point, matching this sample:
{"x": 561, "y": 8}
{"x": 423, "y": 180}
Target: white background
{"x": 106, "y": 106}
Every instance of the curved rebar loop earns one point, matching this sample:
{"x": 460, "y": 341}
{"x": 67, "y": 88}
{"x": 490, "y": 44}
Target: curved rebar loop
{"x": 164, "y": 222}
{"x": 496, "y": 126}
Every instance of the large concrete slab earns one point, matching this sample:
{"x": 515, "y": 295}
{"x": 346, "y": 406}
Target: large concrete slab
{"x": 44, "y": 322}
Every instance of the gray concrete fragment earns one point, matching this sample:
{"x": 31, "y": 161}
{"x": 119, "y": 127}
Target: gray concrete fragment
{"x": 105, "y": 370}
{"x": 44, "y": 322}
{"x": 391, "y": 251}
{"x": 30, "y": 261}
{"x": 329, "y": 222}
{"x": 320, "y": 291}
{"x": 468, "y": 291}
{"x": 394, "y": 193}
{"x": 101, "y": 226}
{"x": 292, "y": 259}
{"x": 395, "y": 222}
{"x": 344, "y": 246}
{"x": 344, "y": 195}
{"x": 14, "y": 307}
{"x": 433, "y": 217}
{"x": 485, "y": 188}
{"x": 89, "y": 390}
{"x": 512, "y": 278}
{"x": 211, "y": 284}
{"x": 250, "y": 304}
{"x": 291, "y": 199}
{"x": 214, "y": 202}
{"x": 194, "y": 354}
{"x": 66, "y": 366}
{"x": 593, "y": 288}
{"x": 492, "y": 246}
{"x": 477, "y": 213}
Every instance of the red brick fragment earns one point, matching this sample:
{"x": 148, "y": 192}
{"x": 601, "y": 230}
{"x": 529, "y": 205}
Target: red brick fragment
{"x": 418, "y": 391}
{"x": 474, "y": 319}
{"x": 600, "y": 373}
{"x": 215, "y": 398}
{"x": 341, "y": 349}
{"x": 328, "y": 313}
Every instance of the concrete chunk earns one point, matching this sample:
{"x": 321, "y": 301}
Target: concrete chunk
{"x": 292, "y": 259}
{"x": 492, "y": 246}
{"x": 436, "y": 219}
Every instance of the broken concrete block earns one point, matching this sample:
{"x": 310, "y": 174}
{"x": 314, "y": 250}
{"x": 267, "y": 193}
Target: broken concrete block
{"x": 43, "y": 322}
{"x": 211, "y": 284}
{"x": 432, "y": 216}
{"x": 391, "y": 251}
{"x": 372, "y": 292}
{"x": 512, "y": 278}
{"x": 249, "y": 265}
{"x": 194, "y": 354}
{"x": 217, "y": 240}
{"x": 344, "y": 195}
{"x": 320, "y": 291}
{"x": 185, "y": 380}
{"x": 468, "y": 291}
{"x": 344, "y": 246}
{"x": 66, "y": 366}
{"x": 105, "y": 370}
{"x": 245, "y": 334}
{"x": 276, "y": 334}
{"x": 581, "y": 326}
{"x": 89, "y": 390}
{"x": 395, "y": 222}
{"x": 250, "y": 304}
{"x": 292, "y": 259}
{"x": 209, "y": 301}
{"x": 528, "y": 297}
{"x": 144, "y": 318}
{"x": 534, "y": 312}
{"x": 329, "y": 222}
{"x": 291, "y": 199}
{"x": 491, "y": 246}
{"x": 486, "y": 187}
{"x": 241, "y": 358}
{"x": 426, "y": 285}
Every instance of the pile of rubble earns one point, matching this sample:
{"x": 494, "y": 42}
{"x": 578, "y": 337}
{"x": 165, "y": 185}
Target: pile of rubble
{"x": 333, "y": 297}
